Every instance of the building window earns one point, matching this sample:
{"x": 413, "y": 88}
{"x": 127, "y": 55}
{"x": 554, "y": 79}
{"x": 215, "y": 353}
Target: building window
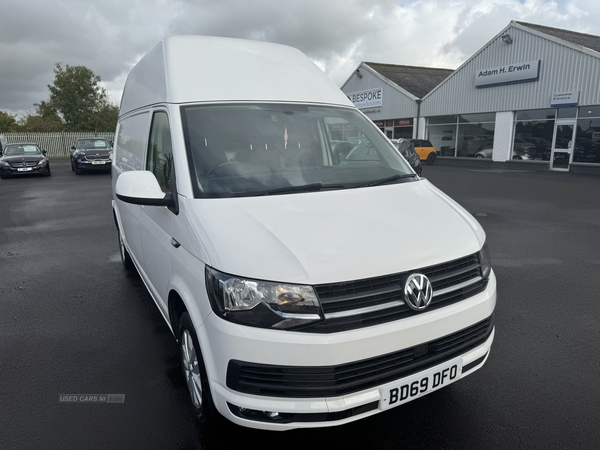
{"x": 587, "y": 142}
{"x": 533, "y": 134}
{"x": 467, "y": 135}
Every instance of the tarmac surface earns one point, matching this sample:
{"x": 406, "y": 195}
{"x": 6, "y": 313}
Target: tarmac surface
{"x": 72, "y": 322}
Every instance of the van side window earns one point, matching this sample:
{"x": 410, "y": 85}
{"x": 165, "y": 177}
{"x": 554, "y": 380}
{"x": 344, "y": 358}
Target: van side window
{"x": 160, "y": 151}
{"x": 129, "y": 150}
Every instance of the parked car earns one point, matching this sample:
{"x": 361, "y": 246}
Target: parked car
{"x": 479, "y": 143}
{"x": 485, "y": 153}
{"x": 91, "y": 154}
{"x": 23, "y": 159}
{"x": 406, "y": 148}
{"x": 586, "y": 150}
{"x": 425, "y": 150}
{"x": 543, "y": 147}
{"x": 523, "y": 150}
{"x": 302, "y": 293}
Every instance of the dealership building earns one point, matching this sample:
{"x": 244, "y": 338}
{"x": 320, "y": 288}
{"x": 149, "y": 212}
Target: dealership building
{"x": 531, "y": 96}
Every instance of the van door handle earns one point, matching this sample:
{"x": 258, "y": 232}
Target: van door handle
{"x": 174, "y": 243}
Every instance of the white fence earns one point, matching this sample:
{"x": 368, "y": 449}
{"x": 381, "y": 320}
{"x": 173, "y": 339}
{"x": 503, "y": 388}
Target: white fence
{"x": 57, "y": 145}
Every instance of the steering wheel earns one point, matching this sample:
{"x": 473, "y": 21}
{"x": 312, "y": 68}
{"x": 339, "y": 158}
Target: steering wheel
{"x": 218, "y": 166}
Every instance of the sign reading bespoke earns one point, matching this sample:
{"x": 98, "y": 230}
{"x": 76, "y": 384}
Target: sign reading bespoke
{"x": 367, "y": 99}
{"x": 565, "y": 99}
{"x": 511, "y": 73}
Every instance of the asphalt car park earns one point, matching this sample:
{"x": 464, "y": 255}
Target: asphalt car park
{"x": 74, "y": 325}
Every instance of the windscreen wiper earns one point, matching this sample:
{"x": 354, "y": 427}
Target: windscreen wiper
{"x": 312, "y": 187}
{"x": 386, "y": 180}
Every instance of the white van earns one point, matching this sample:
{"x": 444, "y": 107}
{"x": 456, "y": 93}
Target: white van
{"x": 306, "y": 287}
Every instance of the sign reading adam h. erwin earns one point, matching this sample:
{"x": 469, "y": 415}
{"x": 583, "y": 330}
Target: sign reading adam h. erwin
{"x": 508, "y": 74}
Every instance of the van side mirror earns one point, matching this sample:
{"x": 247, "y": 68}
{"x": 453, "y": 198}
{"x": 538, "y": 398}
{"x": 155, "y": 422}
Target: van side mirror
{"x": 140, "y": 187}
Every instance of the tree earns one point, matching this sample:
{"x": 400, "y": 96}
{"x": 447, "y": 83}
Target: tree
{"x": 8, "y": 122}
{"x": 78, "y": 99}
{"x": 45, "y": 119}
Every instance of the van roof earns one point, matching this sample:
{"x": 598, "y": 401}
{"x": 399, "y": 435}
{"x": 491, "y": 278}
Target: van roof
{"x": 184, "y": 69}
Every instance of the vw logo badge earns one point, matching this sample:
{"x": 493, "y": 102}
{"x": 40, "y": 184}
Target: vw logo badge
{"x": 418, "y": 292}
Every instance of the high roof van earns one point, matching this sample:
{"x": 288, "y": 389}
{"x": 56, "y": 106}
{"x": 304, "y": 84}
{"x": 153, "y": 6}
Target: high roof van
{"x": 305, "y": 287}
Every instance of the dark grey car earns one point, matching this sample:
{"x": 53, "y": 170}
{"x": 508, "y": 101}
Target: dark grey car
{"x": 23, "y": 159}
{"x": 91, "y": 154}
{"x": 407, "y": 149}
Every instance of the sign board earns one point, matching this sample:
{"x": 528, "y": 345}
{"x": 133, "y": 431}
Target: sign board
{"x": 367, "y": 99}
{"x": 563, "y": 99}
{"x": 403, "y": 122}
{"x": 508, "y": 74}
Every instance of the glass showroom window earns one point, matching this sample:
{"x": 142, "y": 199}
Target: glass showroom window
{"x": 475, "y": 135}
{"x": 465, "y": 135}
{"x": 441, "y": 131}
{"x": 587, "y": 142}
{"x": 533, "y": 134}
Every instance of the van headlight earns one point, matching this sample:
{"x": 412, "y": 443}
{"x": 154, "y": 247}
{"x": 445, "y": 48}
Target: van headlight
{"x": 485, "y": 259}
{"x": 262, "y": 303}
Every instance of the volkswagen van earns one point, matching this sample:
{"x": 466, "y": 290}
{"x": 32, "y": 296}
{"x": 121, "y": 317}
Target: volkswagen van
{"x": 303, "y": 290}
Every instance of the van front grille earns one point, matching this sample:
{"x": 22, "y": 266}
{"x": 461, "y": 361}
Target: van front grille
{"x": 363, "y": 303}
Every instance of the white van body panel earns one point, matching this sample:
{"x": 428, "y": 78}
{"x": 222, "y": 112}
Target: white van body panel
{"x": 187, "y": 69}
{"x": 334, "y": 236}
{"x": 229, "y": 341}
{"x": 309, "y": 238}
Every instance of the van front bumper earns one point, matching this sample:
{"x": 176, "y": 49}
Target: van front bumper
{"x": 278, "y": 380}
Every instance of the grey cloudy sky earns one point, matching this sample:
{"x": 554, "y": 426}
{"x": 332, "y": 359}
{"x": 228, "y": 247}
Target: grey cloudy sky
{"x": 109, "y": 36}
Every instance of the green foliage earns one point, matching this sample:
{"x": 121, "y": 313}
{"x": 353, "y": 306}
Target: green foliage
{"x": 77, "y": 103}
{"x": 77, "y": 97}
{"x": 36, "y": 123}
{"x": 107, "y": 118}
{"x": 8, "y": 122}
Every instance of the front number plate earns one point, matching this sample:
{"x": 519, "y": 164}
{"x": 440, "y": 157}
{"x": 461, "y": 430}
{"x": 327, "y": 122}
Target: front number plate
{"x": 420, "y": 384}
{"x": 97, "y": 162}
{"x": 25, "y": 169}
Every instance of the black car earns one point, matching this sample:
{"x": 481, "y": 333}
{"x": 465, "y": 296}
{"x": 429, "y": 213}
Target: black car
{"x": 91, "y": 154}
{"x": 407, "y": 149}
{"x": 23, "y": 159}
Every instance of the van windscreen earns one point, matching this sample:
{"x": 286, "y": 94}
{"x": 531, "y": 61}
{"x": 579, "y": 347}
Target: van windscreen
{"x": 268, "y": 149}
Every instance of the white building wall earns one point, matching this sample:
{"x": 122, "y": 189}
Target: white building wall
{"x": 422, "y": 129}
{"x": 503, "y": 135}
{"x": 563, "y": 68}
{"x": 396, "y": 105}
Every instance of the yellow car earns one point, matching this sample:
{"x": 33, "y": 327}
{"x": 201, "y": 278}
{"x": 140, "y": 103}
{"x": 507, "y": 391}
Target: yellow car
{"x": 425, "y": 150}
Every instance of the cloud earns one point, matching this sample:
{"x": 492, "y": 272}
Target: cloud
{"x": 109, "y": 36}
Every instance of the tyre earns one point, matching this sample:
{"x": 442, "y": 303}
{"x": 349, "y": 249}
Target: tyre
{"x": 194, "y": 373}
{"x": 125, "y": 256}
{"x": 72, "y": 166}
{"x": 517, "y": 157}
{"x": 48, "y": 173}
{"x": 2, "y": 176}
{"x": 431, "y": 158}
{"x": 479, "y": 156}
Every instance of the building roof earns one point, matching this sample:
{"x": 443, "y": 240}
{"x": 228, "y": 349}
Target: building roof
{"x": 585, "y": 40}
{"x": 419, "y": 81}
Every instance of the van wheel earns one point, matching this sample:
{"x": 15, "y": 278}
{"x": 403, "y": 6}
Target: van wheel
{"x": 431, "y": 158}
{"x": 194, "y": 373}
{"x": 125, "y": 256}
